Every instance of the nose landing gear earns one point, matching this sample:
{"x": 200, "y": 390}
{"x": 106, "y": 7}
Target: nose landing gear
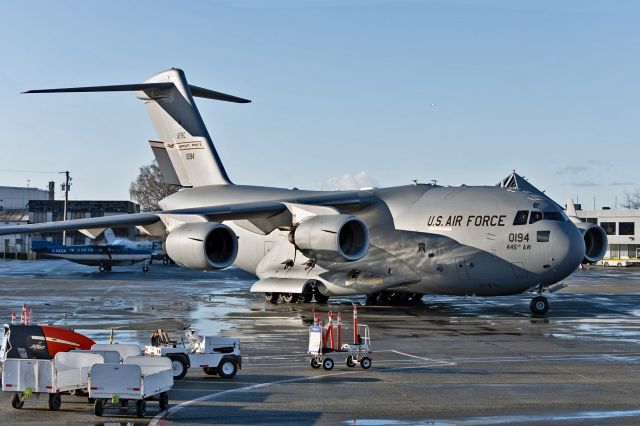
{"x": 539, "y": 305}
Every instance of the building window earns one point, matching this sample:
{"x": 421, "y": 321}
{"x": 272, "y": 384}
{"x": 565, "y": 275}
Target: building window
{"x": 626, "y": 228}
{"x": 615, "y": 251}
{"x": 591, "y": 220}
{"x": 609, "y": 227}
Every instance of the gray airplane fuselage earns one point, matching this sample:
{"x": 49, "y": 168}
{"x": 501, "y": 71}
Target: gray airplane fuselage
{"x": 423, "y": 238}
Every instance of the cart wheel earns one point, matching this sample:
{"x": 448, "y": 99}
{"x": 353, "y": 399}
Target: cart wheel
{"x": 55, "y": 401}
{"x": 315, "y": 363}
{"x": 179, "y": 366}
{"x": 16, "y": 401}
{"x": 141, "y": 408}
{"x": 164, "y": 401}
{"x": 327, "y": 364}
{"x": 227, "y": 368}
{"x": 365, "y": 363}
{"x": 211, "y": 371}
{"x": 98, "y": 407}
{"x": 351, "y": 362}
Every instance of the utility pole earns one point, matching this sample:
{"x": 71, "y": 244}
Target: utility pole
{"x": 65, "y": 188}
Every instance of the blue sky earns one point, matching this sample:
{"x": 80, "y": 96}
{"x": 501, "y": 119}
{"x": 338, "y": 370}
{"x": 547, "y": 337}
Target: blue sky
{"x": 380, "y": 91}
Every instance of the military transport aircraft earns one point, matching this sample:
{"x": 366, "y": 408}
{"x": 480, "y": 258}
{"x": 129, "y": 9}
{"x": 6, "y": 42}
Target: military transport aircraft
{"x": 400, "y": 242}
{"x": 110, "y": 252}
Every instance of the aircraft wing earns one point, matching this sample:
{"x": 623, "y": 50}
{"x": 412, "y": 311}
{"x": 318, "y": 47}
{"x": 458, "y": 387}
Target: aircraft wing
{"x": 219, "y": 213}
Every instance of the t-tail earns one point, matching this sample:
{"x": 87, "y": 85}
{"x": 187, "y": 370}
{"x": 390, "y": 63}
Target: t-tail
{"x": 185, "y": 151}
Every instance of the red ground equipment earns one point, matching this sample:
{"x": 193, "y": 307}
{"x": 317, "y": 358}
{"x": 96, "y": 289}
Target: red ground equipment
{"x": 322, "y": 347}
{"x": 28, "y": 341}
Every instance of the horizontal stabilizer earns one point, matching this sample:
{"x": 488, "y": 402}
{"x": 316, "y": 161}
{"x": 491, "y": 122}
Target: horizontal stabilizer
{"x": 115, "y": 88}
{"x": 199, "y": 92}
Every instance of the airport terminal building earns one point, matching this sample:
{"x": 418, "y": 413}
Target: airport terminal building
{"x": 623, "y": 231}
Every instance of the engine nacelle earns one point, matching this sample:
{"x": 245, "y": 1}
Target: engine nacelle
{"x": 202, "y": 245}
{"x": 595, "y": 241}
{"x": 334, "y": 238}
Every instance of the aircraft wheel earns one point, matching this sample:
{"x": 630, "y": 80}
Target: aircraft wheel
{"x": 107, "y": 268}
{"x": 211, "y": 371}
{"x": 321, "y": 298}
{"x": 179, "y": 366}
{"x": 16, "y": 401}
{"x": 307, "y": 297}
{"x": 101, "y": 268}
{"x": 365, "y": 363}
{"x": 272, "y": 297}
{"x": 416, "y": 297}
{"x": 98, "y": 407}
{"x": 327, "y": 364}
{"x": 164, "y": 401}
{"x": 165, "y": 261}
{"x": 145, "y": 268}
{"x": 227, "y": 368}
{"x": 290, "y": 297}
{"x": 55, "y": 401}
{"x": 383, "y": 298}
{"x": 539, "y": 305}
{"x": 141, "y": 408}
{"x": 372, "y": 299}
{"x": 351, "y": 362}
{"x": 315, "y": 363}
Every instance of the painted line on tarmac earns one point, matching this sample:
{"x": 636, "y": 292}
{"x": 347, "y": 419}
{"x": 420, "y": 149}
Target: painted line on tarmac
{"x": 423, "y": 358}
{"x": 160, "y": 417}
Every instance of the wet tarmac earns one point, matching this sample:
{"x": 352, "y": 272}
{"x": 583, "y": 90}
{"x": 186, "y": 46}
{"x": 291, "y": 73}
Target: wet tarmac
{"x": 449, "y": 360}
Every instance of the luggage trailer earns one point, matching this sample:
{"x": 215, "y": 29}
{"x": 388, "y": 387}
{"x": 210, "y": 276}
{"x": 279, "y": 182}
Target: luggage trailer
{"x": 139, "y": 379}
{"x": 322, "y": 348}
{"x": 67, "y": 373}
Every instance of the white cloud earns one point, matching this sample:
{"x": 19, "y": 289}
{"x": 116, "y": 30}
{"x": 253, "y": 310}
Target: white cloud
{"x": 349, "y": 182}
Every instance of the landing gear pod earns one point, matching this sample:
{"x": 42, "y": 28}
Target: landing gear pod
{"x": 202, "y": 245}
{"x": 40, "y": 341}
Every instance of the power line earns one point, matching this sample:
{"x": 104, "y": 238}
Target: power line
{"x": 27, "y": 171}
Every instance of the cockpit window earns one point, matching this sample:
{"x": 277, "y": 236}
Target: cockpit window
{"x": 535, "y": 216}
{"x": 521, "y": 217}
{"x": 557, "y": 216}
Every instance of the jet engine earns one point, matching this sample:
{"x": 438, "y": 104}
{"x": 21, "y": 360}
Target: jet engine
{"x": 595, "y": 241}
{"x": 202, "y": 245}
{"x": 334, "y": 238}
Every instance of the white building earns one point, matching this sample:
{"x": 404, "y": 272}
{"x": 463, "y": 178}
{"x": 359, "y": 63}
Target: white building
{"x": 14, "y": 211}
{"x": 623, "y": 231}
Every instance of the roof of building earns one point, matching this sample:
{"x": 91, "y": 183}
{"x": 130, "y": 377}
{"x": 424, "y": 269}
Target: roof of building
{"x": 14, "y": 215}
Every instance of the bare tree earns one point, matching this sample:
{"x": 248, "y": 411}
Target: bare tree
{"x": 631, "y": 200}
{"x": 150, "y": 187}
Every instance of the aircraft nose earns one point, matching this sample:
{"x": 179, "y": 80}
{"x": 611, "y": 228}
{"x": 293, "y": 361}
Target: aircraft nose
{"x": 567, "y": 250}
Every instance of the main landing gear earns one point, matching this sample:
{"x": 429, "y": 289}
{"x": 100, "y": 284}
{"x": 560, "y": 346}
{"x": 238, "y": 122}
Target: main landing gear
{"x": 104, "y": 267}
{"x": 306, "y": 297}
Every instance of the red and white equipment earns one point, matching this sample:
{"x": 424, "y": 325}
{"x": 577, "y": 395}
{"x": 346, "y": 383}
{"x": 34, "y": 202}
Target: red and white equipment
{"x": 321, "y": 343}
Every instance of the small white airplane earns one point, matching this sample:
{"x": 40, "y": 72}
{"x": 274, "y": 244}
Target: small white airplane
{"x": 110, "y": 252}
{"x": 389, "y": 243}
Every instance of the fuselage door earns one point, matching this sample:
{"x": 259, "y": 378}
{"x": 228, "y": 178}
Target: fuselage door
{"x": 461, "y": 268}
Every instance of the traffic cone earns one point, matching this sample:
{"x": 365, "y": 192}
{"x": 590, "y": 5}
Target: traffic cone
{"x": 330, "y": 331}
{"x": 339, "y": 330}
{"x": 355, "y": 325}
{"x": 13, "y": 317}
{"x": 23, "y": 314}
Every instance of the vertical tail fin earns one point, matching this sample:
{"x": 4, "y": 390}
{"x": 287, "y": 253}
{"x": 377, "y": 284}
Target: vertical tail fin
{"x": 185, "y": 152}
